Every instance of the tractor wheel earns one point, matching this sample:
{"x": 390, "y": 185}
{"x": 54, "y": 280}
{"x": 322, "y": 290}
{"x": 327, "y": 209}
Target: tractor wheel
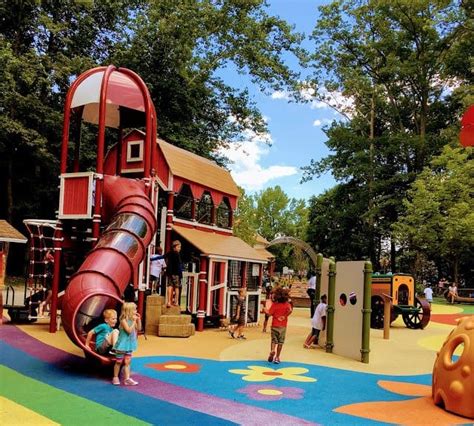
{"x": 420, "y": 319}
{"x": 376, "y": 316}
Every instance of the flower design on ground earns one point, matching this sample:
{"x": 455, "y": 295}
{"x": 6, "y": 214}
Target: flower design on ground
{"x": 271, "y": 393}
{"x": 420, "y": 409}
{"x": 256, "y": 373}
{"x": 176, "y": 366}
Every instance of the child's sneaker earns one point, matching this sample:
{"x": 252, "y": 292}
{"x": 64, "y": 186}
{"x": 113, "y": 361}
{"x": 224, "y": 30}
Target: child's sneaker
{"x": 242, "y": 337}
{"x": 231, "y": 333}
{"x": 115, "y": 381}
{"x": 130, "y": 382}
{"x": 276, "y": 361}
{"x": 271, "y": 356}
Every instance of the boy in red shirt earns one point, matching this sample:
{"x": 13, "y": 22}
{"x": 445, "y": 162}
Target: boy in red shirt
{"x": 280, "y": 311}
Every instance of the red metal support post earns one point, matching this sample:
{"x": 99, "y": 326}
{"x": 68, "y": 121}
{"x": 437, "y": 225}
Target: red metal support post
{"x": 201, "y": 314}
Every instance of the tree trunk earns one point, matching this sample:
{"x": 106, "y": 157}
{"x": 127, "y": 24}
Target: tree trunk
{"x": 9, "y": 184}
{"x": 370, "y": 183}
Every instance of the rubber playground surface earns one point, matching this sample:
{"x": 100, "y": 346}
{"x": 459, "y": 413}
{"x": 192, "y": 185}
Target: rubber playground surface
{"x": 212, "y": 379}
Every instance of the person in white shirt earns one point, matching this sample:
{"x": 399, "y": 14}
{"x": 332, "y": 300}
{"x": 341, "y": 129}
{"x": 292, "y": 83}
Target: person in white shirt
{"x": 428, "y": 294}
{"x": 157, "y": 265}
{"x": 311, "y": 291}
{"x": 318, "y": 323}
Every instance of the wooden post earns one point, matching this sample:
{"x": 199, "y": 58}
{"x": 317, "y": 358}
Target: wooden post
{"x": 387, "y": 310}
{"x": 366, "y": 311}
{"x": 330, "y": 308}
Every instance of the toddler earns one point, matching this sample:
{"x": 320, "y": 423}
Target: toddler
{"x": 105, "y": 334}
{"x": 126, "y": 343}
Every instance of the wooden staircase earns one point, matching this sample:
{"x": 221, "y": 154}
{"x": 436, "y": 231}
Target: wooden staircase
{"x": 166, "y": 322}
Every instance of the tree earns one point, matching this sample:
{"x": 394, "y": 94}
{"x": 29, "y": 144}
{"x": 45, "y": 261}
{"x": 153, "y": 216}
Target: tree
{"x": 180, "y": 48}
{"x": 244, "y": 219}
{"x": 43, "y": 45}
{"x": 439, "y": 217}
{"x": 277, "y": 214}
{"x": 388, "y": 60}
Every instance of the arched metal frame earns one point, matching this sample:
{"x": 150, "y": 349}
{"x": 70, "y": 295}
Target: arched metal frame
{"x": 298, "y": 243}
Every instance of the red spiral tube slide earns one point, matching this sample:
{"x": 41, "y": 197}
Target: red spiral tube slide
{"x": 101, "y": 280}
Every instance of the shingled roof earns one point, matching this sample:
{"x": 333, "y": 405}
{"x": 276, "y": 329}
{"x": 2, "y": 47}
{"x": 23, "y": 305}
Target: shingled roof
{"x": 198, "y": 169}
{"x": 9, "y": 234}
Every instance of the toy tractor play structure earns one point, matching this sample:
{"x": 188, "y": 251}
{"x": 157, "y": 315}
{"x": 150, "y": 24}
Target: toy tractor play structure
{"x": 400, "y": 289}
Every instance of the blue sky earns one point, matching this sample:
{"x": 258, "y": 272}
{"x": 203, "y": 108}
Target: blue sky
{"x": 295, "y": 130}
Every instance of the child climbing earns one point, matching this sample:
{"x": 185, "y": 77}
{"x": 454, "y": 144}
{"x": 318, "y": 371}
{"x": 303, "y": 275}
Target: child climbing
{"x": 48, "y": 282}
{"x": 105, "y": 334}
{"x": 126, "y": 343}
{"x": 280, "y": 310}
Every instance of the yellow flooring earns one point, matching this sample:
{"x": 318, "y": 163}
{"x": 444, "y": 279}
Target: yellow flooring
{"x": 406, "y": 352}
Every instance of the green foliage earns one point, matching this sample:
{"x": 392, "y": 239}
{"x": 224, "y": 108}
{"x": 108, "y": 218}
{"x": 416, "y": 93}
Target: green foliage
{"x": 179, "y": 48}
{"x": 439, "y": 216}
{"x": 388, "y": 59}
{"x": 244, "y": 219}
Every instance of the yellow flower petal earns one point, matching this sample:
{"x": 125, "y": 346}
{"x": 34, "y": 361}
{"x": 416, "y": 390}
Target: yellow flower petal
{"x": 240, "y": 371}
{"x": 293, "y": 370}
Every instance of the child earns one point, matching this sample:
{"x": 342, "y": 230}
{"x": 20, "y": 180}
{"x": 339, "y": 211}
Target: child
{"x": 157, "y": 265}
{"x": 280, "y": 311}
{"x": 48, "y": 282}
{"x": 318, "y": 323}
{"x": 126, "y": 342}
{"x": 268, "y": 305}
{"x": 105, "y": 334}
{"x": 236, "y": 332}
{"x": 174, "y": 271}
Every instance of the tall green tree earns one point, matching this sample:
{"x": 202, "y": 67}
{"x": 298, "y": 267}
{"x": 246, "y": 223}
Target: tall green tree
{"x": 277, "y": 214}
{"x": 180, "y": 49}
{"x": 43, "y": 45}
{"x": 388, "y": 58}
{"x": 439, "y": 217}
{"x": 245, "y": 226}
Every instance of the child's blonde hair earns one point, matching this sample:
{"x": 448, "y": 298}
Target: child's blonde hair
{"x": 128, "y": 309}
{"x": 108, "y": 313}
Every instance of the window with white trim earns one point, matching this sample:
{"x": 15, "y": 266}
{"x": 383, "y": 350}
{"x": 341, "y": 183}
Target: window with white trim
{"x": 134, "y": 151}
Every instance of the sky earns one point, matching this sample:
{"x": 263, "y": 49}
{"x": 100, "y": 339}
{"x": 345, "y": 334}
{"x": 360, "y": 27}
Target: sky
{"x": 295, "y": 130}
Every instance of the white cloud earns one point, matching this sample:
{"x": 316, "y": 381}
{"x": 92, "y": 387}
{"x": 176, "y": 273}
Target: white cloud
{"x": 281, "y": 94}
{"x": 326, "y": 99}
{"x": 246, "y": 156}
{"x": 322, "y": 122}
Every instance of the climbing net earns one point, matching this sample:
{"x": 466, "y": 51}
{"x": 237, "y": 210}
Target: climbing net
{"x": 40, "y": 241}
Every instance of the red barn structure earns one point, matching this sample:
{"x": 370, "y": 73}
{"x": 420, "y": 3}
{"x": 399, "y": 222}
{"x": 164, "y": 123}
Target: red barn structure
{"x": 196, "y": 203}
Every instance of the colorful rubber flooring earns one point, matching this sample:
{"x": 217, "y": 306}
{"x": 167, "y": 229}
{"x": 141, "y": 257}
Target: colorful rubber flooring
{"x": 210, "y": 379}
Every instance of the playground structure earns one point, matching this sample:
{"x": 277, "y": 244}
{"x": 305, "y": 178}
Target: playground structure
{"x": 453, "y": 384}
{"x": 142, "y": 192}
{"x": 400, "y": 288}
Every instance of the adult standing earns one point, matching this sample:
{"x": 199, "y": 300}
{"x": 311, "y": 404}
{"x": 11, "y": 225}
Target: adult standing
{"x": 311, "y": 291}
{"x": 174, "y": 272}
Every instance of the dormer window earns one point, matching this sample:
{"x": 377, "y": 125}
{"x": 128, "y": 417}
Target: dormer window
{"x": 134, "y": 151}
{"x": 183, "y": 203}
{"x": 223, "y": 214}
{"x": 204, "y": 210}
